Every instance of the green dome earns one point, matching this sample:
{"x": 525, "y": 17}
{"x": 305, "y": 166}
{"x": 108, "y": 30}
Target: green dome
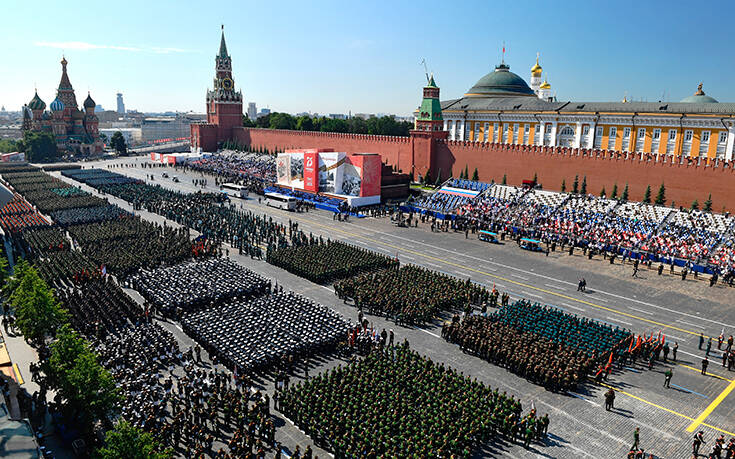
{"x": 501, "y": 82}
{"x": 699, "y": 97}
{"x": 36, "y": 103}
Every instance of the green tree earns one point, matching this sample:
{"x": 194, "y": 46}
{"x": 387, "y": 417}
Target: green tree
{"x": 476, "y": 176}
{"x": 505, "y": 179}
{"x": 467, "y": 172}
{"x": 117, "y": 142}
{"x": 535, "y": 178}
{"x": 74, "y": 371}
{"x": 8, "y": 146}
{"x": 357, "y": 125}
{"x": 575, "y": 185}
{"x": 104, "y": 138}
{"x": 708, "y": 204}
{"x": 438, "y": 177}
{"x": 40, "y": 146}
{"x": 37, "y": 313}
{"x": 661, "y": 196}
{"x": 602, "y": 192}
{"x": 247, "y": 122}
{"x": 304, "y": 123}
{"x": 130, "y": 442}
{"x": 282, "y": 121}
{"x": 583, "y": 189}
{"x": 563, "y": 185}
{"x": 624, "y": 196}
{"x": 614, "y": 194}
{"x": 334, "y": 125}
{"x": 695, "y": 205}
{"x": 647, "y": 195}
{"x": 264, "y": 121}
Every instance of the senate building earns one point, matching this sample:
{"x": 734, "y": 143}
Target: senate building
{"x": 502, "y": 108}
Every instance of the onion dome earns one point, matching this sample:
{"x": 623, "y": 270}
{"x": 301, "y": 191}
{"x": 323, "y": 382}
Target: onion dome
{"x": 36, "y": 103}
{"x": 536, "y": 69}
{"x": 46, "y": 116}
{"x": 501, "y": 82}
{"x": 699, "y": 97}
{"x": 89, "y": 102}
{"x": 545, "y": 85}
{"x": 57, "y": 105}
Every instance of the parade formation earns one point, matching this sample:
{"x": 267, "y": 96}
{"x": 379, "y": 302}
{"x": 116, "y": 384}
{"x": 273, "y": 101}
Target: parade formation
{"x": 202, "y": 400}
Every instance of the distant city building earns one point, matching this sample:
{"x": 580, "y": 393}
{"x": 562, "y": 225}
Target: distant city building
{"x": 132, "y": 136}
{"x": 120, "y": 104}
{"x": 252, "y": 111}
{"x": 264, "y": 112}
{"x": 338, "y": 116}
{"x": 168, "y": 127}
{"x": 74, "y": 130}
{"x": 364, "y": 116}
{"x": 98, "y": 108}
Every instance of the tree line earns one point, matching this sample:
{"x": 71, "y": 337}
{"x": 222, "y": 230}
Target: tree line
{"x": 384, "y": 125}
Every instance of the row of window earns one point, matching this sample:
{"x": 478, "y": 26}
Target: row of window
{"x": 566, "y": 136}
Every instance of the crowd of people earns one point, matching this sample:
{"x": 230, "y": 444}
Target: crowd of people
{"x": 606, "y": 225}
{"x": 589, "y": 336}
{"x": 234, "y": 167}
{"x": 542, "y": 344}
{"x": 18, "y": 214}
{"x": 325, "y": 262}
{"x": 397, "y": 403}
{"x": 254, "y": 334}
{"x": 98, "y": 308}
{"x": 192, "y": 286}
{"x": 76, "y": 216}
{"x": 410, "y": 294}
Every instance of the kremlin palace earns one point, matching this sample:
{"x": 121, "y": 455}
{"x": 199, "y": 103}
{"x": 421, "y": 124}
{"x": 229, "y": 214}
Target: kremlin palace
{"x": 502, "y": 108}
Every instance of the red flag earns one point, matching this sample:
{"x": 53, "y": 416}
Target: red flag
{"x": 609, "y": 361}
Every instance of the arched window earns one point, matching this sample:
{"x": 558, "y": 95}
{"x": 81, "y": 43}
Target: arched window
{"x": 567, "y": 131}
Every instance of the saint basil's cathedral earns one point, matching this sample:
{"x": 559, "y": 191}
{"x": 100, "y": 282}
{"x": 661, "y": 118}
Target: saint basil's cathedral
{"x": 74, "y": 130}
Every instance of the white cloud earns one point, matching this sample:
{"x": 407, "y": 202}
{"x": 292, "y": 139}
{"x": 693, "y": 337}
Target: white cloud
{"x": 84, "y": 46}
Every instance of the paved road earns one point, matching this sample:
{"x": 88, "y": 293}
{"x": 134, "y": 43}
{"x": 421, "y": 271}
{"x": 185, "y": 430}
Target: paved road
{"x": 580, "y": 427}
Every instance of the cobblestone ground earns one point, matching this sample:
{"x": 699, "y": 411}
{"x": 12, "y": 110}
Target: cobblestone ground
{"x": 580, "y": 427}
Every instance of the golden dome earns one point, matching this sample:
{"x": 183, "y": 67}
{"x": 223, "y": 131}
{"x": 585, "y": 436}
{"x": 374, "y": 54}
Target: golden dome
{"x": 545, "y": 85}
{"x": 536, "y": 69}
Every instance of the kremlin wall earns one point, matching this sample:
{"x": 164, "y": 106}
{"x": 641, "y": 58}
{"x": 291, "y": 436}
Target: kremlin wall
{"x": 504, "y": 127}
{"x": 684, "y": 182}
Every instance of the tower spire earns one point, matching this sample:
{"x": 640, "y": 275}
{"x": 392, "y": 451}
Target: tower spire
{"x": 222, "y": 44}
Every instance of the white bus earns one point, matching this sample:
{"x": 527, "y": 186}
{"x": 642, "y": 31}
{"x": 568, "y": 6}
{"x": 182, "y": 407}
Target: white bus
{"x": 280, "y": 201}
{"x": 233, "y": 189}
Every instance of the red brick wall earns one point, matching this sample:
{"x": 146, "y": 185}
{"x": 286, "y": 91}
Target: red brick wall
{"x": 684, "y": 183}
{"x": 393, "y": 150}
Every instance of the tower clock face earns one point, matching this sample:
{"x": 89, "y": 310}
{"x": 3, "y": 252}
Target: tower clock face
{"x": 227, "y": 83}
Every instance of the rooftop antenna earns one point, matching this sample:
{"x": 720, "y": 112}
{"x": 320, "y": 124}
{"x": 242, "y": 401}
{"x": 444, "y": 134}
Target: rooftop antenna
{"x": 426, "y": 69}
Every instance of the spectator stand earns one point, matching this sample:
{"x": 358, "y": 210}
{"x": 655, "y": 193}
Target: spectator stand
{"x": 453, "y": 194}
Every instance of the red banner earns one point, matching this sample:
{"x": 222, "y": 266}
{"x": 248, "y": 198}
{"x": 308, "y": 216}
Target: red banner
{"x": 311, "y": 171}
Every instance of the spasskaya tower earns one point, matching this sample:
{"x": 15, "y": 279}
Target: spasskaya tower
{"x": 224, "y": 105}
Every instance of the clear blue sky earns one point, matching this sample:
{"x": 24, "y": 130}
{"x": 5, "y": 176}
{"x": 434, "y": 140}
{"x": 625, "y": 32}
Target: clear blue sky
{"x": 363, "y": 56}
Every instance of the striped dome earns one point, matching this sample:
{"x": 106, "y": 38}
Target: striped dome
{"x": 89, "y": 102}
{"x": 36, "y": 103}
{"x": 57, "y": 105}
